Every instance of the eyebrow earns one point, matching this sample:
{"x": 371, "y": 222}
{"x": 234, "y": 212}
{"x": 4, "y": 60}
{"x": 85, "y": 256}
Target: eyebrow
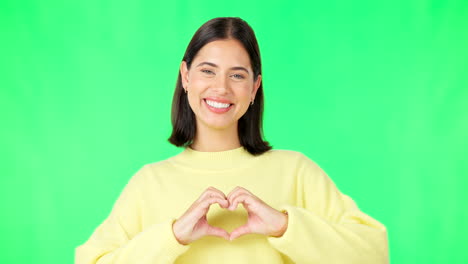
{"x": 216, "y": 66}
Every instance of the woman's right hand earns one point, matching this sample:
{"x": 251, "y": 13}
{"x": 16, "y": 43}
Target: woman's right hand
{"x": 193, "y": 225}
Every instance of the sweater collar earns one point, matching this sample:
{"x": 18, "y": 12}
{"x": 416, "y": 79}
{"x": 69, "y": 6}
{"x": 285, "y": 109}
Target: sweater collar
{"x": 217, "y": 160}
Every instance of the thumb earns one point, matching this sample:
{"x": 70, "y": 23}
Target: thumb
{"x": 240, "y": 231}
{"x": 216, "y": 231}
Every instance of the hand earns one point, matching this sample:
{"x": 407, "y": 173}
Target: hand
{"x": 262, "y": 219}
{"x": 193, "y": 225}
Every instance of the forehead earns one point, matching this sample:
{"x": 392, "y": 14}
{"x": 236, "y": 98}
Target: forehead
{"x": 226, "y": 52}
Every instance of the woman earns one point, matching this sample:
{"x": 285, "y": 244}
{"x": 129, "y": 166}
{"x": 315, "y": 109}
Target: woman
{"x": 291, "y": 211}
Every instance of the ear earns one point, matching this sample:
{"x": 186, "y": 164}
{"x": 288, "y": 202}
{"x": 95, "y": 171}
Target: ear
{"x": 256, "y": 86}
{"x": 184, "y": 74}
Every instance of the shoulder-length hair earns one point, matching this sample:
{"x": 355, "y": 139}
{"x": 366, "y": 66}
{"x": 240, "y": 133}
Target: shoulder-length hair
{"x": 249, "y": 126}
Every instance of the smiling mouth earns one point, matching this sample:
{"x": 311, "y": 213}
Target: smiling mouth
{"x": 217, "y": 105}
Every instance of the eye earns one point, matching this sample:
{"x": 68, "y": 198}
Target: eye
{"x": 238, "y": 76}
{"x": 206, "y": 71}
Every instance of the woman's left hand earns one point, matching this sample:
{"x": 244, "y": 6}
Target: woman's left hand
{"x": 262, "y": 219}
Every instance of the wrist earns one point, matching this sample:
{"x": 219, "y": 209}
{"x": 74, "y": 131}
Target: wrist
{"x": 283, "y": 226}
{"x": 175, "y": 232}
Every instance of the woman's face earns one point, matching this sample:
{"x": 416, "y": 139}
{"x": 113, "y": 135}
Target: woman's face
{"x": 220, "y": 84}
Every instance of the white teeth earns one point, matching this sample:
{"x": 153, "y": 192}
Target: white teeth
{"x": 217, "y": 104}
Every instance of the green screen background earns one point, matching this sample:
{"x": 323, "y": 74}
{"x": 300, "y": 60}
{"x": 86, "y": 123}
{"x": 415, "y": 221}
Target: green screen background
{"x": 375, "y": 92}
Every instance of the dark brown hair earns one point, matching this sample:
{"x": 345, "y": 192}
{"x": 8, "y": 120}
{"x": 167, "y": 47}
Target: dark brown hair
{"x": 249, "y": 126}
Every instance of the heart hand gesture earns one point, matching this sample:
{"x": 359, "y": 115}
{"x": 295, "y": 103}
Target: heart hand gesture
{"x": 193, "y": 225}
{"x": 262, "y": 219}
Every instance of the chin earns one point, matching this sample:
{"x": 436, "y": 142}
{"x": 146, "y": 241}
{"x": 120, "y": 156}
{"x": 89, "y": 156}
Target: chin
{"x": 219, "y": 125}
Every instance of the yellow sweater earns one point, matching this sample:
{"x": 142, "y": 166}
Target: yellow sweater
{"x": 324, "y": 226}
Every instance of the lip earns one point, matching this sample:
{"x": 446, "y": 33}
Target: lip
{"x": 217, "y": 110}
{"x": 217, "y": 99}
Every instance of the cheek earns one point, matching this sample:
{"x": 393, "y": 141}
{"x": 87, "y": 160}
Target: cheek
{"x": 199, "y": 81}
{"x": 243, "y": 92}
{"x": 192, "y": 104}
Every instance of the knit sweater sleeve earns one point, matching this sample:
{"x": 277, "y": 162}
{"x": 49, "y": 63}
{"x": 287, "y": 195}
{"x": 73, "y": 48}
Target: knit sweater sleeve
{"x": 120, "y": 239}
{"x": 328, "y": 227}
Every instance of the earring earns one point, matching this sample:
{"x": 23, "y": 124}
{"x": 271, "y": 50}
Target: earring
{"x": 252, "y": 102}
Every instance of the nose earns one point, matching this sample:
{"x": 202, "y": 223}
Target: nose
{"x": 221, "y": 84}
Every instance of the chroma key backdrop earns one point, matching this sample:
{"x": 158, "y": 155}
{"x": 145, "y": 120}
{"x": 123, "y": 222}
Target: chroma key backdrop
{"x": 375, "y": 92}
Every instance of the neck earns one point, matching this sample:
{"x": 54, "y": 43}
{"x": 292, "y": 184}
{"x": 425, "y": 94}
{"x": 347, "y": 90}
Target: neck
{"x": 212, "y": 140}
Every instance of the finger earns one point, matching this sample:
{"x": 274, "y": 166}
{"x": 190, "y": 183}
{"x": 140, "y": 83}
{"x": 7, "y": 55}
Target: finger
{"x": 216, "y": 231}
{"x": 211, "y": 192}
{"x": 205, "y": 204}
{"x": 233, "y": 191}
{"x": 240, "y": 231}
{"x": 213, "y": 189}
{"x": 234, "y": 201}
{"x": 239, "y": 188}
{"x": 241, "y": 198}
{"x": 233, "y": 195}
{"x": 223, "y": 204}
{"x": 236, "y": 190}
{"x": 201, "y": 208}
